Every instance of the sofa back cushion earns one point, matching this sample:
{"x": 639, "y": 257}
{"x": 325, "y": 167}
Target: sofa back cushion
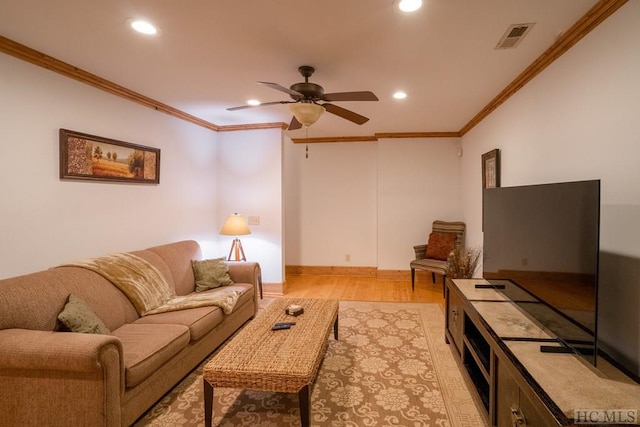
{"x": 156, "y": 260}
{"x": 33, "y": 301}
{"x": 177, "y": 257}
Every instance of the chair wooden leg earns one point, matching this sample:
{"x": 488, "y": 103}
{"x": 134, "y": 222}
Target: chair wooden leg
{"x": 444, "y": 279}
{"x": 413, "y": 279}
{"x": 433, "y": 277}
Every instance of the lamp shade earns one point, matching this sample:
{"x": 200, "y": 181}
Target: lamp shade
{"x": 307, "y": 113}
{"x": 235, "y": 225}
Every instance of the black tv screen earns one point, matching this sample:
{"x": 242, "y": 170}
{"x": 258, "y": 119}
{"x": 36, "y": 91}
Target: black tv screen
{"x": 545, "y": 240}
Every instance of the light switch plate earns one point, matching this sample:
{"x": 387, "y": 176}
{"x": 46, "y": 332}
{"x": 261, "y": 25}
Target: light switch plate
{"x": 254, "y": 220}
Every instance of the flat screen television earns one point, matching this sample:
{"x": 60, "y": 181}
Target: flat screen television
{"x": 544, "y": 240}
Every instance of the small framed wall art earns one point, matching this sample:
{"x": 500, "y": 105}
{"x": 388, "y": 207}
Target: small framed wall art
{"x": 491, "y": 169}
{"x": 94, "y": 158}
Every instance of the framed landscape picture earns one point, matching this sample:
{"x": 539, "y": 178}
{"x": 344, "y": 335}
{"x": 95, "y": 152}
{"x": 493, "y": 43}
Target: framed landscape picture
{"x": 90, "y": 157}
{"x": 491, "y": 169}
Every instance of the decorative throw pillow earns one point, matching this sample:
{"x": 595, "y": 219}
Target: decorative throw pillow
{"x": 439, "y": 245}
{"x": 77, "y": 316}
{"x": 211, "y": 273}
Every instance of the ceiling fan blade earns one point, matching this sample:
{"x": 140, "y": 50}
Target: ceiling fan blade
{"x": 276, "y": 86}
{"x": 350, "y": 96}
{"x": 295, "y": 124}
{"x": 346, "y": 114}
{"x": 242, "y": 107}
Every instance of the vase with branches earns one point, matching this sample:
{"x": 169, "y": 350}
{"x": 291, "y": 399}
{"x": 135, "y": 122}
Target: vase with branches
{"x": 463, "y": 262}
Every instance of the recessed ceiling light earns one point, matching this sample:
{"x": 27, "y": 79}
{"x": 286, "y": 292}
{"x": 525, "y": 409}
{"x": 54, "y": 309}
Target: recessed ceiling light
{"x": 408, "y": 5}
{"x": 253, "y": 102}
{"x": 143, "y": 27}
{"x": 400, "y": 95}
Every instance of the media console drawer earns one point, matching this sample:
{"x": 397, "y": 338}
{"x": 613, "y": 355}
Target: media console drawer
{"x": 517, "y": 406}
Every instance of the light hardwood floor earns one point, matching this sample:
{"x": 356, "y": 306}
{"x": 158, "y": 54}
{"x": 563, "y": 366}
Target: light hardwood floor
{"x": 364, "y": 288}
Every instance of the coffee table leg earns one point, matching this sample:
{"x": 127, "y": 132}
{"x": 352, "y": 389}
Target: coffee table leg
{"x": 335, "y": 328}
{"x": 304, "y": 396}
{"x": 208, "y": 403}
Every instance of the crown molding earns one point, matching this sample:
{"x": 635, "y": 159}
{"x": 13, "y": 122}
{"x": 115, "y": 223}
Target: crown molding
{"x": 376, "y": 137}
{"x": 594, "y": 17}
{"x": 253, "y": 126}
{"x": 590, "y": 20}
{"x": 35, "y": 57}
{"x": 334, "y": 139}
{"x": 418, "y": 135}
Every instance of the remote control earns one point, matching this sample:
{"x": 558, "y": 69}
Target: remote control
{"x": 278, "y": 327}
{"x": 489, "y": 286}
{"x": 285, "y": 323}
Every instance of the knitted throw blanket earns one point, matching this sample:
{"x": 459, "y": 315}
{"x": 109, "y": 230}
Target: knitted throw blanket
{"x": 147, "y": 289}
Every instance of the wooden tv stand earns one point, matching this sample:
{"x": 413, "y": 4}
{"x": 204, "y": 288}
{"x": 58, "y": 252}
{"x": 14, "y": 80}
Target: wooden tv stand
{"x": 498, "y": 346}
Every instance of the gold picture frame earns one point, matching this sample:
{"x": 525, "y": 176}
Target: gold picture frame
{"x": 491, "y": 169}
{"x": 95, "y": 158}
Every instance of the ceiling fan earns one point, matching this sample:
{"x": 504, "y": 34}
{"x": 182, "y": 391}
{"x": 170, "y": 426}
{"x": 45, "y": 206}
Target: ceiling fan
{"x": 306, "y": 106}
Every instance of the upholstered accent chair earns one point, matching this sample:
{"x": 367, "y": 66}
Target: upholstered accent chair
{"x": 432, "y": 256}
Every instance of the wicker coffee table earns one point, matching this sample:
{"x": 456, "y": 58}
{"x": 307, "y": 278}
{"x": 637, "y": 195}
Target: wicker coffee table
{"x": 285, "y": 361}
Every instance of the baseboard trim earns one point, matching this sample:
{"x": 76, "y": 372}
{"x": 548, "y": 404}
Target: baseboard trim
{"x": 329, "y": 270}
{"x": 274, "y": 289}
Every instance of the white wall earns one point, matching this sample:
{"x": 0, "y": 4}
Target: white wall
{"x": 45, "y": 221}
{"x": 579, "y": 120}
{"x": 370, "y": 200}
{"x": 204, "y": 176}
{"x": 418, "y": 182}
{"x": 330, "y": 204}
{"x": 249, "y": 172}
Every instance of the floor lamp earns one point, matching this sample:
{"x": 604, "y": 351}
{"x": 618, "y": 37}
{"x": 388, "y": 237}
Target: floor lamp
{"x": 235, "y": 225}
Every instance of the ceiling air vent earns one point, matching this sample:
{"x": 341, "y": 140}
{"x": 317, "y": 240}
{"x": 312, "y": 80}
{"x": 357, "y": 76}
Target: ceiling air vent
{"x": 514, "y": 35}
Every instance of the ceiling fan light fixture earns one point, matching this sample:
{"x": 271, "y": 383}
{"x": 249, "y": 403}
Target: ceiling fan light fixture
{"x": 307, "y": 113}
{"x": 253, "y": 102}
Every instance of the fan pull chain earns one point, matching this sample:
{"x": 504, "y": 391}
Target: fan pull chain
{"x": 306, "y": 153}
{"x": 306, "y": 150}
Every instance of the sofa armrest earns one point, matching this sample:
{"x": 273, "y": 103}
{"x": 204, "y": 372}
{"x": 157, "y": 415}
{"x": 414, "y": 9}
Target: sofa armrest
{"x": 245, "y": 272}
{"x": 59, "y": 351}
{"x": 60, "y": 375}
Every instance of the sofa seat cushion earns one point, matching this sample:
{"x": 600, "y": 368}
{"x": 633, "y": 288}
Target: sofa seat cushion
{"x": 147, "y": 347}
{"x": 200, "y": 320}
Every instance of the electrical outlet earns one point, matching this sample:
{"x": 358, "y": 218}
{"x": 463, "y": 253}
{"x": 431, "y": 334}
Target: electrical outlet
{"x": 347, "y": 257}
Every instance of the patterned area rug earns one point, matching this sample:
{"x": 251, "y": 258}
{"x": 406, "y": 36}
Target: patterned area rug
{"x": 390, "y": 367}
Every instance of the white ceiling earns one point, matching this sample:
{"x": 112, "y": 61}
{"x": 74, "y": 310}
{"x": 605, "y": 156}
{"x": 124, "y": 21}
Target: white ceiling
{"x": 210, "y": 53}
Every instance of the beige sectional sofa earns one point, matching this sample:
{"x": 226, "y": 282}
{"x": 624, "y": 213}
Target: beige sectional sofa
{"x": 50, "y": 378}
